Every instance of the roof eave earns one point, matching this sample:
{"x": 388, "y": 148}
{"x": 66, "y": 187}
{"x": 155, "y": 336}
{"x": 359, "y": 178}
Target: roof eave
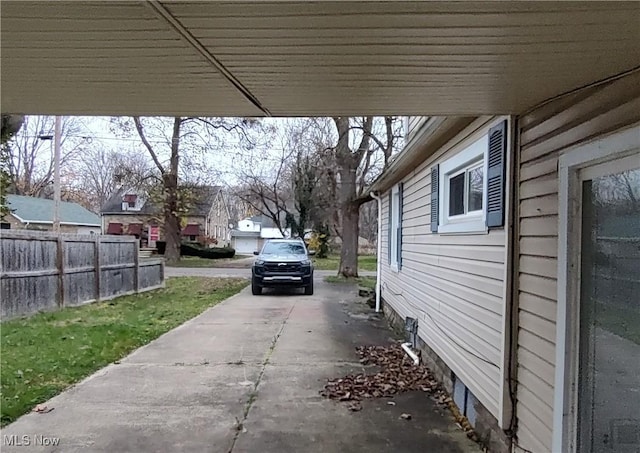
{"x": 433, "y": 134}
{"x": 62, "y": 222}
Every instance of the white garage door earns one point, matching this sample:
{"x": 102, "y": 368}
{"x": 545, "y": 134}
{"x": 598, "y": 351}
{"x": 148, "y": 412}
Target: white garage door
{"x": 246, "y": 246}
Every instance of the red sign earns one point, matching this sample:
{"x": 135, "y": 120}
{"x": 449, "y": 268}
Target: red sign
{"x": 154, "y": 233}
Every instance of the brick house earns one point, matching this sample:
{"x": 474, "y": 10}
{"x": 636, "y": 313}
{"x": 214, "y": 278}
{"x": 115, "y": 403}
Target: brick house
{"x": 132, "y": 212}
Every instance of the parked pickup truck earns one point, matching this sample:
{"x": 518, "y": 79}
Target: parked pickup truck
{"x": 282, "y": 262}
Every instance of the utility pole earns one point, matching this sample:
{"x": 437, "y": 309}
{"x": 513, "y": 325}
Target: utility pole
{"x": 56, "y": 173}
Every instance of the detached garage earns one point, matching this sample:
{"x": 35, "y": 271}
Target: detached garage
{"x": 245, "y": 242}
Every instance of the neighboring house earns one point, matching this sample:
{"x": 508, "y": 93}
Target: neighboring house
{"x": 252, "y": 232}
{"x": 131, "y": 212}
{"x": 219, "y": 220}
{"x": 37, "y": 214}
{"x": 514, "y": 241}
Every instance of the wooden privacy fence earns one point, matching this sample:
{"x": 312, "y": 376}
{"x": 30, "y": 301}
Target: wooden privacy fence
{"x": 45, "y": 271}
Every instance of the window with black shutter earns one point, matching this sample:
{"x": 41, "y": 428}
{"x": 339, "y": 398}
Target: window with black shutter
{"x": 434, "y": 198}
{"x": 496, "y": 157}
{"x": 468, "y": 189}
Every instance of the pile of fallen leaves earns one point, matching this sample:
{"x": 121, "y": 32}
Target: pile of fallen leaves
{"x": 397, "y": 374}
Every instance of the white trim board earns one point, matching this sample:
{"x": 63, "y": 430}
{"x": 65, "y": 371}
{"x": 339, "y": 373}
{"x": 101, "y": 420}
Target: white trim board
{"x": 469, "y": 223}
{"x": 614, "y": 146}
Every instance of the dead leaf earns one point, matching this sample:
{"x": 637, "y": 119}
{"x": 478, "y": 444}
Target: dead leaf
{"x": 355, "y": 406}
{"x": 42, "y": 409}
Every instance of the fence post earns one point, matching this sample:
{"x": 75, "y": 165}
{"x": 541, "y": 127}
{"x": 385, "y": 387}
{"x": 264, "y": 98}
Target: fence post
{"x": 96, "y": 263}
{"x": 136, "y": 260}
{"x": 60, "y": 266}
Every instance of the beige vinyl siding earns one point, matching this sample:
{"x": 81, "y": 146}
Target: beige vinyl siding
{"x": 544, "y": 134}
{"x": 414, "y": 123}
{"x": 453, "y": 284}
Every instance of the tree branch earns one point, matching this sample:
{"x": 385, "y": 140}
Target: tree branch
{"x": 136, "y": 120}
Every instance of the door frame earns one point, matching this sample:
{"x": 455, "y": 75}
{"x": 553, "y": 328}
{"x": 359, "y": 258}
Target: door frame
{"x": 619, "y": 144}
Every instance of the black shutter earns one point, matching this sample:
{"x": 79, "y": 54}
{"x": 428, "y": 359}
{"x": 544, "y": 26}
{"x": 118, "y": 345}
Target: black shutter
{"x": 389, "y": 227}
{"x": 496, "y": 174}
{"x": 399, "y": 235}
{"x": 435, "y": 174}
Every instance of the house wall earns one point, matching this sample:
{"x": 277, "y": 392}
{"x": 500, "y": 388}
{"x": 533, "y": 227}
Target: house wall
{"x": 218, "y": 221}
{"x": 146, "y": 220}
{"x": 74, "y": 229}
{"x": 453, "y": 284}
{"x": 273, "y": 233}
{"x": 543, "y": 135}
{"x": 126, "y": 219}
{"x": 199, "y": 220}
{"x": 248, "y": 225}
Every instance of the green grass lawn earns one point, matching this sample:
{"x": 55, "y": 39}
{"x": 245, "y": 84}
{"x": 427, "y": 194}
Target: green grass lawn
{"x": 46, "y": 353}
{"x": 365, "y": 282}
{"x": 331, "y": 263}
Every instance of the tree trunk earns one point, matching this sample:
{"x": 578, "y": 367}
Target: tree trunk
{"x": 171, "y": 219}
{"x": 350, "y": 214}
{"x": 170, "y": 183}
{"x": 350, "y": 233}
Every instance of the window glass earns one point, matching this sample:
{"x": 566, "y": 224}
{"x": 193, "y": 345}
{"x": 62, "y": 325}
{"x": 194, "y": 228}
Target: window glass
{"x": 476, "y": 186}
{"x": 283, "y": 248}
{"x": 456, "y": 195}
{"x": 609, "y": 346}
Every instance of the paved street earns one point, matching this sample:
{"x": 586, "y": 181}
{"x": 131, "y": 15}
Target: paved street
{"x": 244, "y": 377}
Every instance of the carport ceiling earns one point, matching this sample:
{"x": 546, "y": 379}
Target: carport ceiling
{"x": 289, "y": 58}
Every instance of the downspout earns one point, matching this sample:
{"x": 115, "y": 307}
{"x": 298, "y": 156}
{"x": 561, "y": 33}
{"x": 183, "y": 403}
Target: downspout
{"x": 379, "y": 257}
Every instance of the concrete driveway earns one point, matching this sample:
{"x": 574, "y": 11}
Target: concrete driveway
{"x": 242, "y": 377}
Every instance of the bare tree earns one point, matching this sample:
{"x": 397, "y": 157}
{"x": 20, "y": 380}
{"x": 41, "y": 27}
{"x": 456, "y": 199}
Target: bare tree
{"x": 362, "y": 151}
{"x": 30, "y": 157}
{"x": 321, "y": 176}
{"x": 268, "y": 192}
{"x": 97, "y": 173}
{"x": 285, "y": 187}
{"x": 168, "y": 141}
{"x": 11, "y": 124}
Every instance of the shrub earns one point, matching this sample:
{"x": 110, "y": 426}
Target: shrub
{"x": 319, "y": 242}
{"x": 209, "y": 253}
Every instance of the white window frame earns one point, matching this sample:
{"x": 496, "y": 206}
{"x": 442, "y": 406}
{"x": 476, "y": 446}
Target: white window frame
{"x": 615, "y": 146}
{"x": 395, "y": 219}
{"x": 469, "y": 158}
